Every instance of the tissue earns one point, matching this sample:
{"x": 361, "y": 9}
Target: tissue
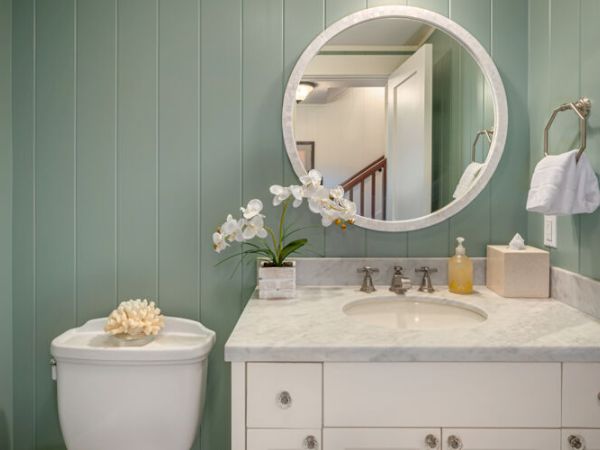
{"x": 517, "y": 243}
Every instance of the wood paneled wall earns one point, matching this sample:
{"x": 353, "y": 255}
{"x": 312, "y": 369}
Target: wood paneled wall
{"x": 139, "y": 124}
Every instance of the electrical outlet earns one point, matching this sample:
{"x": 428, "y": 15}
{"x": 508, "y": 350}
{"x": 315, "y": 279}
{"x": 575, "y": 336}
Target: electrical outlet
{"x": 550, "y": 231}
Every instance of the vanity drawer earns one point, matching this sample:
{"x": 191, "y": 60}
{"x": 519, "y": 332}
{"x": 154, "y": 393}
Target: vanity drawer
{"x": 588, "y": 439}
{"x": 285, "y": 395}
{"x": 581, "y": 395}
{"x": 442, "y": 394}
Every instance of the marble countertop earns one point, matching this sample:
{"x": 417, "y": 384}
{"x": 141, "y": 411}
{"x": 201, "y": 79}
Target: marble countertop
{"x": 313, "y": 327}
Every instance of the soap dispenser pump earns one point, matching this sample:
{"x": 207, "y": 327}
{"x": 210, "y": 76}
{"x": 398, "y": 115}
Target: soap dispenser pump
{"x": 460, "y": 270}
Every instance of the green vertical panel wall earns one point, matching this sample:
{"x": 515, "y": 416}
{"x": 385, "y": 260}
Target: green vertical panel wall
{"x": 509, "y": 184}
{"x": 178, "y": 158}
{"x": 24, "y": 369}
{"x": 564, "y": 79}
{"x": 96, "y": 158}
{"x": 137, "y": 126}
{"x": 589, "y": 247}
{"x": 538, "y": 98}
{"x": 6, "y": 173}
{"x": 262, "y": 87}
{"x": 564, "y": 64}
{"x": 221, "y": 193}
{"x": 137, "y": 149}
{"x": 55, "y": 197}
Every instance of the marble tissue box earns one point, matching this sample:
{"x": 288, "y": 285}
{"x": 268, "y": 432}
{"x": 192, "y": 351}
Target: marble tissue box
{"x": 276, "y": 282}
{"x": 518, "y": 273}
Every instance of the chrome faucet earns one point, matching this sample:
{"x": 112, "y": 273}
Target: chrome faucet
{"x": 367, "y": 284}
{"x": 400, "y": 284}
{"x": 426, "y": 285}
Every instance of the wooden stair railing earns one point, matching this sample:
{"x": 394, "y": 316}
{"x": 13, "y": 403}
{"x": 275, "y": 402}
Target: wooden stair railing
{"x": 359, "y": 178}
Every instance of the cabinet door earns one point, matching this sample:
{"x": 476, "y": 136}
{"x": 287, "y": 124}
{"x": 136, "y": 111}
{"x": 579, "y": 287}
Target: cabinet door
{"x": 500, "y": 439}
{"x": 282, "y": 439}
{"x": 382, "y": 438}
{"x": 581, "y": 395}
{"x": 580, "y": 439}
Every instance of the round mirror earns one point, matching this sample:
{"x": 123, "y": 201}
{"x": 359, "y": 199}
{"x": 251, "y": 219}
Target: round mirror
{"x": 401, "y": 107}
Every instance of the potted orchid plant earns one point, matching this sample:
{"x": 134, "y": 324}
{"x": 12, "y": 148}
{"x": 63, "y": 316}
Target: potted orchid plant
{"x": 274, "y": 246}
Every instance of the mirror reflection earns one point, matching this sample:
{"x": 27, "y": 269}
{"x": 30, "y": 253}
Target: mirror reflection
{"x": 396, "y": 112}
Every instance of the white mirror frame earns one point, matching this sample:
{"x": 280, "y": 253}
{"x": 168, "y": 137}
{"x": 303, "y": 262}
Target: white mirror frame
{"x": 478, "y": 53}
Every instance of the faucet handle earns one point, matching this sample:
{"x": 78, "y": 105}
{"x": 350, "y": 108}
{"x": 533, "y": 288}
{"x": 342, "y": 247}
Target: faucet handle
{"x": 426, "y": 285}
{"x": 398, "y": 270}
{"x": 367, "y": 269}
{"x": 426, "y": 269}
{"x": 367, "y": 284}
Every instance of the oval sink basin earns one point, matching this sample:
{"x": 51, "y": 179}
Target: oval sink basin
{"x": 414, "y": 313}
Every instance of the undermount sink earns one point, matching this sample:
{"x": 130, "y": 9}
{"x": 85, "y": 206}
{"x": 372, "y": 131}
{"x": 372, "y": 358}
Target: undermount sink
{"x": 415, "y": 313}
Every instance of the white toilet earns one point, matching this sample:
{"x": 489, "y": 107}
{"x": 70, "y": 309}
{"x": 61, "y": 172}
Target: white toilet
{"x": 146, "y": 397}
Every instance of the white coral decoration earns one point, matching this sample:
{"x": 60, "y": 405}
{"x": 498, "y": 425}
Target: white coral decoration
{"x": 134, "y": 318}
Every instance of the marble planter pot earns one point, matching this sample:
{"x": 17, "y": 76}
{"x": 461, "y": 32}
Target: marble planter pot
{"x": 276, "y": 282}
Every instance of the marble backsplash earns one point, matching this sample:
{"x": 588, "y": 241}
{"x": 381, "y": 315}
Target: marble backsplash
{"x": 568, "y": 287}
{"x": 576, "y": 290}
{"x": 343, "y": 271}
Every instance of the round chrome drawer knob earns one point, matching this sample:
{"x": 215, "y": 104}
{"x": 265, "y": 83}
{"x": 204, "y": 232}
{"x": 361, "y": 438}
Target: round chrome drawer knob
{"x": 431, "y": 441}
{"x": 311, "y": 443}
{"x": 284, "y": 399}
{"x": 598, "y": 395}
{"x": 454, "y": 442}
{"x": 576, "y": 442}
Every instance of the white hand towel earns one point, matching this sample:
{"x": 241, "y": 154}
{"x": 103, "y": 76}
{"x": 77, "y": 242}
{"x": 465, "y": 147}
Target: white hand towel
{"x": 562, "y": 186}
{"x": 587, "y": 198}
{"x": 467, "y": 179}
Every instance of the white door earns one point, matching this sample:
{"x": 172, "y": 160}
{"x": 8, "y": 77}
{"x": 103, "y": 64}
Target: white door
{"x": 581, "y": 439}
{"x": 409, "y": 110}
{"x": 500, "y": 439}
{"x": 381, "y": 438}
{"x": 282, "y": 439}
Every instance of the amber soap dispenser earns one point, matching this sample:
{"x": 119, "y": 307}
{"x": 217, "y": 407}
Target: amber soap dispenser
{"x": 460, "y": 271}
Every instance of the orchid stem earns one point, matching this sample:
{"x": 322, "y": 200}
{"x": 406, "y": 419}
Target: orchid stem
{"x": 281, "y": 224}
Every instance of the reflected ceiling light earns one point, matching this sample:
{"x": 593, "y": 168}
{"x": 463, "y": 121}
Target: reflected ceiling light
{"x": 304, "y": 89}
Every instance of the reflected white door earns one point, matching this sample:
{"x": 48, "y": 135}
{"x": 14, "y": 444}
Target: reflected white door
{"x": 409, "y": 111}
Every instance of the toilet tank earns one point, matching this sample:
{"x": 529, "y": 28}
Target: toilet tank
{"x": 116, "y": 395}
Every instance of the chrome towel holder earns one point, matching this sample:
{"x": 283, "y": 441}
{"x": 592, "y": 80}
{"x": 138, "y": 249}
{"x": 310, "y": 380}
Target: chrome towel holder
{"x": 486, "y": 133}
{"x": 582, "y": 108}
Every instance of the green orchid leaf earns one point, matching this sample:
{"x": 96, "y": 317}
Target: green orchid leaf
{"x": 291, "y": 248}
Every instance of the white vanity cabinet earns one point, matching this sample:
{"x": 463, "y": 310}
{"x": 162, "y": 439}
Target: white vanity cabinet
{"x": 408, "y": 406}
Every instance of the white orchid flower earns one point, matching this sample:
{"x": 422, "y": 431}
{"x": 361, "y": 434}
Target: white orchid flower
{"x": 254, "y": 208}
{"x": 219, "y": 243}
{"x": 280, "y": 193}
{"x": 318, "y": 197}
{"x": 312, "y": 179}
{"x": 348, "y": 209}
{"x": 255, "y": 227}
{"x": 328, "y": 216}
{"x": 232, "y": 229}
{"x": 298, "y": 193}
{"x": 337, "y": 193}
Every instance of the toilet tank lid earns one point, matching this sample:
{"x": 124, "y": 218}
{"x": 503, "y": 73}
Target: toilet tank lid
{"x": 180, "y": 340}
